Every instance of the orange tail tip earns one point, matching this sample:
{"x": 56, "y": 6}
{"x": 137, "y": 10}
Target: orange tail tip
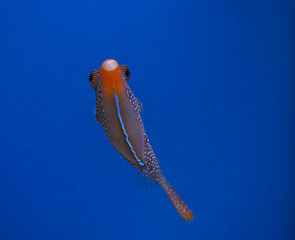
{"x": 176, "y": 200}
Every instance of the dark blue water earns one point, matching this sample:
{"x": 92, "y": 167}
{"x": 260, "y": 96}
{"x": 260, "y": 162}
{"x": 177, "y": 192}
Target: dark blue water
{"x": 216, "y": 80}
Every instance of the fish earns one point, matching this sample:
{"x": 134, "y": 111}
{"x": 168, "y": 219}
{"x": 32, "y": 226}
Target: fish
{"x": 118, "y": 110}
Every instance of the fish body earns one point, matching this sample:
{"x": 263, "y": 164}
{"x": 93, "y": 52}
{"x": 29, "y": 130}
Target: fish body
{"x": 118, "y": 111}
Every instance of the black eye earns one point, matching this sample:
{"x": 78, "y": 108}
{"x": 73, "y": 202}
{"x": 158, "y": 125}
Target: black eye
{"x": 90, "y": 77}
{"x": 127, "y": 73}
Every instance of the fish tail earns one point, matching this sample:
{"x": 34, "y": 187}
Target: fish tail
{"x": 176, "y": 200}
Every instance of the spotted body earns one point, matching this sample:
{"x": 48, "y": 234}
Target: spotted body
{"x": 118, "y": 110}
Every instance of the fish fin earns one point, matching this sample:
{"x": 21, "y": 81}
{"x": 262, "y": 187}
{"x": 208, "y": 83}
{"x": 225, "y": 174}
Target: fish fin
{"x": 144, "y": 181}
{"x": 99, "y": 111}
{"x": 176, "y": 200}
{"x": 94, "y": 79}
{"x": 136, "y": 104}
{"x": 140, "y": 105}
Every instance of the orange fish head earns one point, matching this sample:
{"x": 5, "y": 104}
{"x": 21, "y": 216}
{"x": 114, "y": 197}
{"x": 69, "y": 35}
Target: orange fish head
{"x": 112, "y": 78}
{"x": 111, "y": 75}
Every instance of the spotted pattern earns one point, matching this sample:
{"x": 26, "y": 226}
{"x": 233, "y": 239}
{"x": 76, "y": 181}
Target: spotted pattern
{"x": 151, "y": 166}
{"x": 135, "y": 104}
{"x": 176, "y": 200}
{"x": 148, "y": 166}
{"x": 125, "y": 133}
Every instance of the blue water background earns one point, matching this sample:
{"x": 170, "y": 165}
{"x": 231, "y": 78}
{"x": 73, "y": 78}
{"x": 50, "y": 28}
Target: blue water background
{"x": 216, "y": 80}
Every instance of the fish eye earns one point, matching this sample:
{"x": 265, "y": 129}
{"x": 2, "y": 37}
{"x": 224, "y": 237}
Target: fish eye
{"x": 90, "y": 77}
{"x": 127, "y": 73}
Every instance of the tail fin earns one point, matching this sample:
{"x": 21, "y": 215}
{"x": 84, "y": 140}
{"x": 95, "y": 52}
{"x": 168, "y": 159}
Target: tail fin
{"x": 178, "y": 203}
